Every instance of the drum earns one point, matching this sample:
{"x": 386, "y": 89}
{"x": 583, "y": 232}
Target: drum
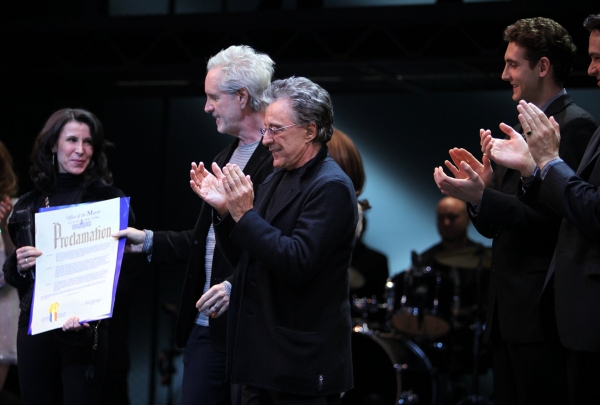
{"x": 425, "y": 302}
{"x": 389, "y": 370}
{"x": 369, "y": 312}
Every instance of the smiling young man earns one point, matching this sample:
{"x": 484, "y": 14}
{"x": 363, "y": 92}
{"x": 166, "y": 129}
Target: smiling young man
{"x": 527, "y": 64}
{"x": 529, "y": 361}
{"x": 573, "y": 194}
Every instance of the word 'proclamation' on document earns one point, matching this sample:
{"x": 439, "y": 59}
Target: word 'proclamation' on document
{"x": 78, "y": 271}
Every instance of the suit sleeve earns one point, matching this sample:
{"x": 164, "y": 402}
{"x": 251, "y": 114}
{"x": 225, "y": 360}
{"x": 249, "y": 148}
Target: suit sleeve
{"x": 504, "y": 211}
{"x": 576, "y": 200}
{"x": 576, "y": 135}
{"x": 230, "y": 250}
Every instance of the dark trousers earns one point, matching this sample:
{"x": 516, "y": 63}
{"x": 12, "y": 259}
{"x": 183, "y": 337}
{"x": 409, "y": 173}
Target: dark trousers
{"x": 204, "y": 373}
{"x": 529, "y": 374}
{"x": 53, "y": 372}
{"x": 584, "y": 377}
{"x": 258, "y": 396}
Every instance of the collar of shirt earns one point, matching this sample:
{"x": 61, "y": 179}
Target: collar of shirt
{"x": 563, "y": 92}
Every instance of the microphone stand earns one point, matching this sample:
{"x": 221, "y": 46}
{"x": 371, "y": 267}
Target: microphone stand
{"x": 475, "y": 398}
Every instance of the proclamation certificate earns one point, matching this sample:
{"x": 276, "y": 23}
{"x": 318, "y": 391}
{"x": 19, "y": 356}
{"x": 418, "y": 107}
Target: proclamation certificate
{"x": 78, "y": 271}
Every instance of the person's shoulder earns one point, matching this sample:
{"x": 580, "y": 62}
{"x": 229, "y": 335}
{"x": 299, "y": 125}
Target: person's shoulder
{"x": 574, "y": 112}
{"x": 26, "y": 200}
{"x": 330, "y": 167}
{"x": 432, "y": 250}
{"x": 331, "y": 171}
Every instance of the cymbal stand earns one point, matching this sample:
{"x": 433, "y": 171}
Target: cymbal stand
{"x": 475, "y": 398}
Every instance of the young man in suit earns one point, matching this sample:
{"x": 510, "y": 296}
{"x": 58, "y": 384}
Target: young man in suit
{"x": 550, "y": 184}
{"x": 529, "y": 363}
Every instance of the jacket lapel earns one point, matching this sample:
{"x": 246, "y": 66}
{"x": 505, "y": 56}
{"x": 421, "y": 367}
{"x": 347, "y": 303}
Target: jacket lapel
{"x": 286, "y": 197}
{"x": 267, "y": 189}
{"x": 558, "y": 105}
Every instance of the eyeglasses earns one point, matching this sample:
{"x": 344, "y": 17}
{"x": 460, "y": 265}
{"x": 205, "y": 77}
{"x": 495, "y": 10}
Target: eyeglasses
{"x": 273, "y": 131}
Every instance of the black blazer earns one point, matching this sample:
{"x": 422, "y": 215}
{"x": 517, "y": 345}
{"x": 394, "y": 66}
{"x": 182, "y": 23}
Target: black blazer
{"x": 576, "y": 261}
{"x": 523, "y": 238}
{"x": 289, "y": 314}
{"x": 190, "y": 246}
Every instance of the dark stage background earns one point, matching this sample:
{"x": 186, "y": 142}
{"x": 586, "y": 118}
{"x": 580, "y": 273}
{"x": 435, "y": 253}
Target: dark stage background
{"x": 408, "y": 83}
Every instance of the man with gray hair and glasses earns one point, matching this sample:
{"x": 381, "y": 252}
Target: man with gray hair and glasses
{"x": 234, "y": 86}
{"x": 289, "y": 316}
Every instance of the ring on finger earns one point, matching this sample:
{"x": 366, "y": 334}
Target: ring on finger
{"x": 528, "y": 132}
{"x": 26, "y": 260}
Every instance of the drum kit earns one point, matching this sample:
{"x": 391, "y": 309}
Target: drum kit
{"x": 410, "y": 347}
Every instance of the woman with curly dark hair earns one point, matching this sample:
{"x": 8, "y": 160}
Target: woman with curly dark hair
{"x": 69, "y": 167}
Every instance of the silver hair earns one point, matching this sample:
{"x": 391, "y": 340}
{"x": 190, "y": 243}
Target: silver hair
{"x": 310, "y": 102}
{"x": 243, "y": 67}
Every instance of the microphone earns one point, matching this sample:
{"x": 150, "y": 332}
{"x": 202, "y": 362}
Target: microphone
{"x": 23, "y": 224}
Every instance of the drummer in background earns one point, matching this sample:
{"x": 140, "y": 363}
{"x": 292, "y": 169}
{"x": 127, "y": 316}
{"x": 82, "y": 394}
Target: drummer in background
{"x": 452, "y": 223}
{"x": 369, "y": 268}
{"x": 452, "y": 354}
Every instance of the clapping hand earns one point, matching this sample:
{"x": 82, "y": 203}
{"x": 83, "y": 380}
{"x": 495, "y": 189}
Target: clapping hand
{"x": 239, "y": 190}
{"x": 543, "y": 133}
{"x": 209, "y": 187}
{"x": 512, "y": 152}
{"x": 484, "y": 170}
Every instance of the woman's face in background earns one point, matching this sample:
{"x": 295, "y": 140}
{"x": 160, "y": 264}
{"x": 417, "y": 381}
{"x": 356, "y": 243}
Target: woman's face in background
{"x": 74, "y": 148}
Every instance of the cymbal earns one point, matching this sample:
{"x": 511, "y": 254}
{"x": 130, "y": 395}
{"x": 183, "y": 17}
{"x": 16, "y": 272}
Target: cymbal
{"x": 466, "y": 258}
{"x": 356, "y": 280}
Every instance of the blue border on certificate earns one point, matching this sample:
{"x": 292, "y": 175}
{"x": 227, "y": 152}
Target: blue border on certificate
{"x": 123, "y": 222}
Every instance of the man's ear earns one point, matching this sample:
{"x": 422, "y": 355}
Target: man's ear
{"x": 311, "y": 132}
{"x": 243, "y": 96}
{"x": 544, "y": 66}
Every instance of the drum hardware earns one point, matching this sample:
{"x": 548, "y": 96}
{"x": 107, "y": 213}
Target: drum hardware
{"x": 408, "y": 398}
{"x": 424, "y": 302}
{"x": 389, "y": 296}
{"x": 429, "y": 297}
{"x": 362, "y": 328}
{"x": 389, "y": 370}
{"x": 370, "y": 311}
{"x": 466, "y": 258}
{"x": 484, "y": 258}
